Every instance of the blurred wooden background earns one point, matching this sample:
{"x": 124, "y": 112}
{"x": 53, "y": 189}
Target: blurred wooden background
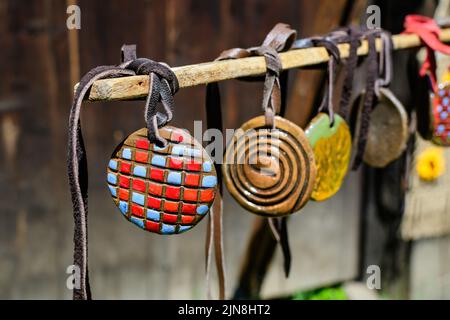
{"x": 40, "y": 60}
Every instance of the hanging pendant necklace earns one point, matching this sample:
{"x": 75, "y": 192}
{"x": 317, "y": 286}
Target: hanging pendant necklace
{"x": 329, "y": 136}
{"x": 435, "y": 120}
{"x": 388, "y": 129}
{"x": 269, "y": 166}
{"x": 270, "y": 170}
{"x": 165, "y": 190}
{"x": 440, "y": 115}
{"x": 160, "y": 177}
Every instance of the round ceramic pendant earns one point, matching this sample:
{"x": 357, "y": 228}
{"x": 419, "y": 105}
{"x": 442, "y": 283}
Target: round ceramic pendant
{"x": 162, "y": 190}
{"x": 388, "y": 131}
{"x": 440, "y": 116}
{"x": 332, "y": 147}
{"x": 270, "y": 172}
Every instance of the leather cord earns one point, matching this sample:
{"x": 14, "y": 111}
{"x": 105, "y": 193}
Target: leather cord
{"x": 353, "y": 37}
{"x": 349, "y": 35}
{"x": 385, "y": 63}
{"x": 78, "y": 175}
{"x": 279, "y": 39}
{"x": 334, "y": 60}
{"x": 163, "y": 84}
{"x": 272, "y": 93}
{"x": 369, "y": 98}
{"x": 214, "y": 233}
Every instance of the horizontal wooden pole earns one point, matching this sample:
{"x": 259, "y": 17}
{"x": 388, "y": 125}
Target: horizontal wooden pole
{"x": 135, "y": 87}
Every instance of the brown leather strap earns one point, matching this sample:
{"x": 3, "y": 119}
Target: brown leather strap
{"x": 272, "y": 93}
{"x": 163, "y": 84}
{"x": 353, "y": 36}
{"x": 128, "y": 52}
{"x": 279, "y": 39}
{"x": 369, "y": 99}
{"x": 78, "y": 176}
{"x": 214, "y": 232}
{"x": 334, "y": 60}
{"x": 214, "y": 239}
{"x": 278, "y": 226}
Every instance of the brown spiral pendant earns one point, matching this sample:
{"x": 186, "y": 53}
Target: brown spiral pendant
{"x": 270, "y": 172}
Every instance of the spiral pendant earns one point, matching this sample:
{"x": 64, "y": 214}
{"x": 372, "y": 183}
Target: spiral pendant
{"x": 270, "y": 172}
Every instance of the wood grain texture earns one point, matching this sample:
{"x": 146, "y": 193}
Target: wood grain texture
{"x": 429, "y": 276}
{"x": 127, "y": 88}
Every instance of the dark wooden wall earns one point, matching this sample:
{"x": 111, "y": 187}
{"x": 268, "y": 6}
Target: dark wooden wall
{"x": 40, "y": 60}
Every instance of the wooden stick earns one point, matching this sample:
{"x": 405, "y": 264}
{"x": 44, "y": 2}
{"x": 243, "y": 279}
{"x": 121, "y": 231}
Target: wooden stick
{"x": 136, "y": 87}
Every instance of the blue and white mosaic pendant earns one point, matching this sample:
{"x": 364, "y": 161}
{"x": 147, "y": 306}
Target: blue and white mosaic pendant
{"x": 162, "y": 190}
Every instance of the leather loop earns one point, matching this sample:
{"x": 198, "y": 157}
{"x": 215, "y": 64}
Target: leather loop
{"x": 369, "y": 97}
{"x": 128, "y": 53}
{"x": 77, "y": 171}
{"x": 279, "y": 39}
{"x": 334, "y": 60}
{"x": 385, "y": 63}
{"x": 271, "y": 93}
{"x": 163, "y": 84}
{"x": 353, "y": 35}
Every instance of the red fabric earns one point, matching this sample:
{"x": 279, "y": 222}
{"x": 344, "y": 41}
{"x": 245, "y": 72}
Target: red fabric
{"x": 428, "y": 31}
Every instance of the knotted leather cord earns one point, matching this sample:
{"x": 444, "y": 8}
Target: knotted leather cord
{"x": 162, "y": 88}
{"x": 280, "y": 38}
{"x": 163, "y": 84}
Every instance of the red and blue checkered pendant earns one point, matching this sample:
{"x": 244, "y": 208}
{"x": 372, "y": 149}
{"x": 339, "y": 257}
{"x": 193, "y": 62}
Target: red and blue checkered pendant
{"x": 162, "y": 190}
{"x": 441, "y": 115}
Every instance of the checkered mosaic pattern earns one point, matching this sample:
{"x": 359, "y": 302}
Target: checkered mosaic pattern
{"x": 162, "y": 190}
{"x": 441, "y": 115}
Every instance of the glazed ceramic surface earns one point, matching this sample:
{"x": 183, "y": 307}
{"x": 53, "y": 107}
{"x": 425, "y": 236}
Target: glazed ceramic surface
{"x": 441, "y": 115}
{"x": 270, "y": 172}
{"x": 162, "y": 190}
{"x": 332, "y": 147}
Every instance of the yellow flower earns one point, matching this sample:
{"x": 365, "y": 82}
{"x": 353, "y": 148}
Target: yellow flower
{"x": 430, "y": 164}
{"x": 446, "y": 77}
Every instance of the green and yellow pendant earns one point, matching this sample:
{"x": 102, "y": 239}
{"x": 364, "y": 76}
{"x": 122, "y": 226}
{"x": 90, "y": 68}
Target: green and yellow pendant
{"x": 332, "y": 147}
